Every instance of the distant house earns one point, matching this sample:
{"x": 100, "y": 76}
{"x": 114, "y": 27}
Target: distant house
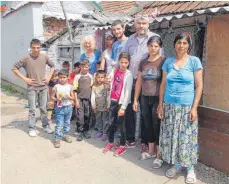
{"x": 23, "y": 20}
{"x": 208, "y": 23}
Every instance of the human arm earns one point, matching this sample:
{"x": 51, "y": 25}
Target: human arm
{"x": 137, "y": 91}
{"x": 75, "y": 89}
{"x": 198, "y": 92}
{"x": 53, "y": 95}
{"x": 102, "y": 64}
{"x": 51, "y": 65}
{"x": 161, "y": 95}
{"x": 127, "y": 93}
{"x": 93, "y": 104}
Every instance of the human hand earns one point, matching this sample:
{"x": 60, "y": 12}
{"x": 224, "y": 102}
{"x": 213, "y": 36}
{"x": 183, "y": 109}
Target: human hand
{"x": 67, "y": 97}
{"x": 193, "y": 115}
{"x": 121, "y": 112}
{"x": 160, "y": 112}
{"x": 77, "y": 104}
{"x": 46, "y": 80}
{"x": 135, "y": 106}
{"x": 29, "y": 81}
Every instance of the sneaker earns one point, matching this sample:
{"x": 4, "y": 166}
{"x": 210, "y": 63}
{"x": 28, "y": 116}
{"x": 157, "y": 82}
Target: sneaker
{"x": 32, "y": 133}
{"x": 86, "y": 135}
{"x": 143, "y": 148}
{"x": 108, "y": 147}
{"x": 130, "y": 145}
{"x": 57, "y": 144}
{"x": 104, "y": 137}
{"x": 48, "y": 129}
{"x": 79, "y": 137}
{"x": 67, "y": 139}
{"x": 99, "y": 135}
{"x": 119, "y": 151}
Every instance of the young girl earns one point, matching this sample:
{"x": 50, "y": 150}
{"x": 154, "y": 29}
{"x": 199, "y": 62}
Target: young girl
{"x": 119, "y": 103}
{"x": 63, "y": 94}
{"x": 148, "y": 84}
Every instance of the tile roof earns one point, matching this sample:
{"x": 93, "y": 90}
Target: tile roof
{"x": 165, "y": 7}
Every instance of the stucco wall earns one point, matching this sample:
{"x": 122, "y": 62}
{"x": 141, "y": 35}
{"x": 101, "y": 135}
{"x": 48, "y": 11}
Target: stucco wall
{"x": 18, "y": 29}
{"x": 216, "y": 88}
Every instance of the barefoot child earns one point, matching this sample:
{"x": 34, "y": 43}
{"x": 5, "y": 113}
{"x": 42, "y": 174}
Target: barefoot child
{"x": 63, "y": 94}
{"x": 99, "y": 102}
{"x": 119, "y": 103}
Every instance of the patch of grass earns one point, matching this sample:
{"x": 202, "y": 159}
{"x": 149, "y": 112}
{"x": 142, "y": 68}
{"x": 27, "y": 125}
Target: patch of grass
{"x": 8, "y": 88}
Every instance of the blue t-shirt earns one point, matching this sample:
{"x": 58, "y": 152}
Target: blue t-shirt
{"x": 180, "y": 84}
{"x": 93, "y": 60}
{"x": 117, "y": 48}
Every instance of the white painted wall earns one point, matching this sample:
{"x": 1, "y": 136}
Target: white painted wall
{"x": 18, "y": 28}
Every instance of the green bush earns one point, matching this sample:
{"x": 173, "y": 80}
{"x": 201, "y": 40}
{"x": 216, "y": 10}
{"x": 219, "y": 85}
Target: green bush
{"x": 8, "y": 88}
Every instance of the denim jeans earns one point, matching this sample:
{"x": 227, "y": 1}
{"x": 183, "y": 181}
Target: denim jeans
{"x": 102, "y": 121}
{"x": 42, "y": 98}
{"x": 63, "y": 118}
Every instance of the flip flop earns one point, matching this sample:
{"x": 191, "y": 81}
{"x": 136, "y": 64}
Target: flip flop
{"x": 172, "y": 172}
{"x": 157, "y": 163}
{"x": 191, "y": 177}
{"x": 145, "y": 156}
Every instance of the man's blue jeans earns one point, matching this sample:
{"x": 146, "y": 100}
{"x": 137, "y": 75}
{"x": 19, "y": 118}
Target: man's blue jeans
{"x": 63, "y": 118}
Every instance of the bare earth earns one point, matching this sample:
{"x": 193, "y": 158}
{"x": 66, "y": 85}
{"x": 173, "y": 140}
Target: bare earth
{"x": 34, "y": 160}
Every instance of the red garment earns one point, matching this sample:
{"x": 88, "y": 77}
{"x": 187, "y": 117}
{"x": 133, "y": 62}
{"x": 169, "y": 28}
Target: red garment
{"x": 71, "y": 78}
{"x": 117, "y": 85}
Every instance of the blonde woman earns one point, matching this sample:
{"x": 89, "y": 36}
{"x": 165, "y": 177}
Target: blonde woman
{"x": 90, "y": 52}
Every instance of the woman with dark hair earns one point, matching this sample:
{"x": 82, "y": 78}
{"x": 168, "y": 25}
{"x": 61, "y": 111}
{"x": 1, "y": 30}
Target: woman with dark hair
{"x": 148, "y": 84}
{"x": 180, "y": 93}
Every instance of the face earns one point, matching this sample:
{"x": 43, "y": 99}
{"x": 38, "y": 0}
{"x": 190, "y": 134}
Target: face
{"x": 118, "y": 31}
{"x": 142, "y": 26}
{"x": 182, "y": 46}
{"x": 66, "y": 67}
{"x": 97, "y": 66}
{"x": 63, "y": 79}
{"x": 84, "y": 69}
{"x": 123, "y": 63}
{"x": 76, "y": 70}
{"x": 100, "y": 78}
{"x": 55, "y": 78}
{"x": 109, "y": 41}
{"x": 154, "y": 48}
{"x": 88, "y": 45}
{"x": 36, "y": 48}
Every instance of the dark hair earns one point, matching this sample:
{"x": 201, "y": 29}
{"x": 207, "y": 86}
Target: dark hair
{"x": 155, "y": 39}
{"x": 76, "y": 65}
{"x": 100, "y": 72}
{"x": 63, "y": 72}
{"x": 66, "y": 63}
{"x": 35, "y": 41}
{"x": 124, "y": 55}
{"x": 185, "y": 35}
{"x": 98, "y": 63}
{"x": 118, "y": 22}
{"x": 84, "y": 62}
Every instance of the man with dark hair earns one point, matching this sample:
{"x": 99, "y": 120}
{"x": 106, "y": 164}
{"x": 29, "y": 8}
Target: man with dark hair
{"x": 35, "y": 66}
{"x": 118, "y": 29}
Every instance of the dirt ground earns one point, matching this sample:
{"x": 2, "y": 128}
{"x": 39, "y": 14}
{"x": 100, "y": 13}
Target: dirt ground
{"x": 26, "y": 160}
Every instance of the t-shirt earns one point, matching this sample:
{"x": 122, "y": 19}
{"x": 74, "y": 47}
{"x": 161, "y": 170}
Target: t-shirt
{"x": 61, "y": 91}
{"x": 93, "y": 60}
{"x": 117, "y": 85}
{"x": 82, "y": 85}
{"x": 71, "y": 78}
{"x": 35, "y": 68}
{"x": 180, "y": 86}
{"x": 151, "y": 76}
{"x": 117, "y": 48}
{"x": 99, "y": 98}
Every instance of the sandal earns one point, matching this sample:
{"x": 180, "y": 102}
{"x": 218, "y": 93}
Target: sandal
{"x": 191, "y": 177}
{"x": 172, "y": 172}
{"x": 157, "y": 163}
{"x": 145, "y": 156}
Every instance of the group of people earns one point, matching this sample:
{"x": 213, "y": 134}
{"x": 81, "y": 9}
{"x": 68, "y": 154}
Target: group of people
{"x": 130, "y": 77}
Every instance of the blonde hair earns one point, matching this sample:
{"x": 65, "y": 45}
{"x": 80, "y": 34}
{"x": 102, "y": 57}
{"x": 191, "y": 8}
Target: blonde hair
{"x": 88, "y": 38}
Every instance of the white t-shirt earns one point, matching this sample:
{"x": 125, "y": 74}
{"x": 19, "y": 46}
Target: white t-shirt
{"x": 62, "y": 90}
